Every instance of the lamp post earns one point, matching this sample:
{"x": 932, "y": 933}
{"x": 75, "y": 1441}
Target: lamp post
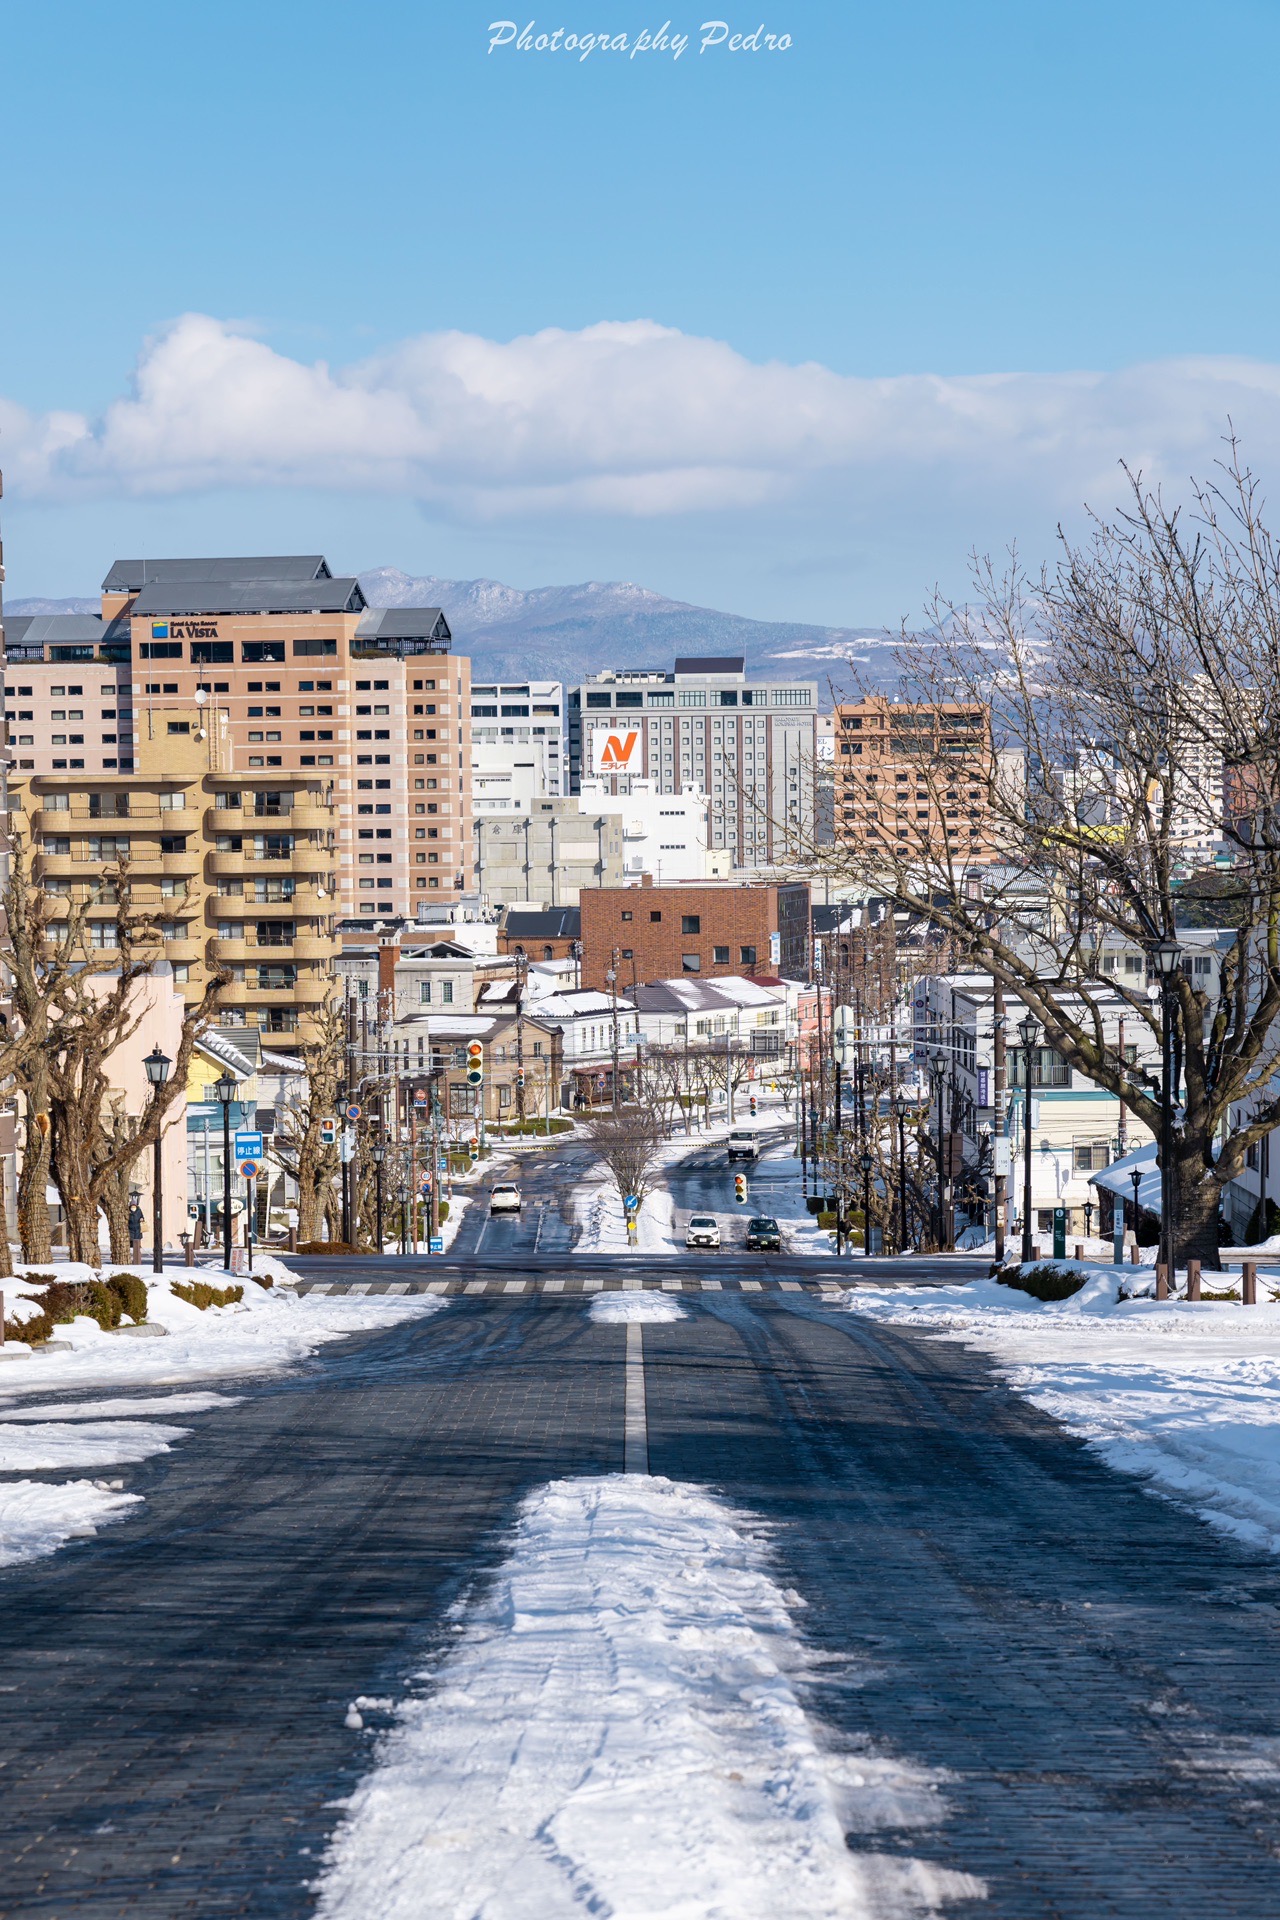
{"x": 225, "y": 1091}
{"x": 378, "y": 1154}
{"x": 866, "y": 1163}
{"x": 157, "y": 1067}
{"x": 1029, "y": 1034}
{"x": 939, "y": 1075}
{"x": 1167, "y": 956}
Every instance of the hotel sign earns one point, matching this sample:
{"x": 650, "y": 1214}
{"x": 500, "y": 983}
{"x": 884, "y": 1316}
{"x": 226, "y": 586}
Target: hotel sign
{"x": 184, "y": 629}
{"x": 616, "y": 750}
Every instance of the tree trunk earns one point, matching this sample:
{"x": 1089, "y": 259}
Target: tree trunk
{"x": 71, "y": 1170}
{"x": 33, "y": 1181}
{"x": 6, "y": 1257}
{"x": 115, "y": 1205}
{"x": 1197, "y": 1197}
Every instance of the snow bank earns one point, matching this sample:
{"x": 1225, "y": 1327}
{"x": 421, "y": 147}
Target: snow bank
{"x": 82, "y": 1443}
{"x": 624, "y": 1307}
{"x": 617, "y": 1731}
{"x": 36, "y": 1518}
{"x": 1186, "y": 1395}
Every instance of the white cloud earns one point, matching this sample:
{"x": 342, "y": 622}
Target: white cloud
{"x": 626, "y": 419}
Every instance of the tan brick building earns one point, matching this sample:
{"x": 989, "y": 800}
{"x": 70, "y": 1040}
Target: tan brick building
{"x": 308, "y": 676}
{"x": 914, "y": 777}
{"x": 233, "y": 868}
{"x": 654, "y": 933}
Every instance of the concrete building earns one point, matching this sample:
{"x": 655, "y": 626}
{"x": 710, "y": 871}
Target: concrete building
{"x": 518, "y": 748}
{"x": 234, "y": 869}
{"x": 309, "y": 677}
{"x": 647, "y": 932}
{"x": 749, "y": 743}
{"x": 548, "y": 857}
{"x": 663, "y": 834}
{"x": 914, "y": 779}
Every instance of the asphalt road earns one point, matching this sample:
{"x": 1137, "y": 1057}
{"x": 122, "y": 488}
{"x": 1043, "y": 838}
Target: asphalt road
{"x": 1098, "y": 1673}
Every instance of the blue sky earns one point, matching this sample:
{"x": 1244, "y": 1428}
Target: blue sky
{"x": 839, "y": 242}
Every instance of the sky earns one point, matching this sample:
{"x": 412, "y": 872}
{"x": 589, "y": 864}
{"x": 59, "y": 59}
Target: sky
{"x": 787, "y": 330}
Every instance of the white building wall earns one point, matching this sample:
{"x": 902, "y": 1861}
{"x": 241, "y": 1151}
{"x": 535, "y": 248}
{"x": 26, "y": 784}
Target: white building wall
{"x": 663, "y": 834}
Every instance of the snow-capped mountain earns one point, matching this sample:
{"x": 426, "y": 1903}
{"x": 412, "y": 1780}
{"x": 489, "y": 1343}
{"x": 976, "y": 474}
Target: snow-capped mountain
{"x": 565, "y": 633}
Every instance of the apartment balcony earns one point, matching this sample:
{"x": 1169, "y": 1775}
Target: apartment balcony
{"x": 238, "y": 865}
{"x": 62, "y": 866}
{"x": 239, "y": 906}
{"x": 317, "y": 860}
{"x": 312, "y": 990}
{"x": 315, "y": 946}
{"x": 179, "y": 820}
{"x": 311, "y": 818}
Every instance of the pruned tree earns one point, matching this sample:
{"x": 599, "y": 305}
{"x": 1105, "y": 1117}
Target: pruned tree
{"x": 1134, "y": 694}
{"x": 629, "y": 1143}
{"x": 299, "y": 1146}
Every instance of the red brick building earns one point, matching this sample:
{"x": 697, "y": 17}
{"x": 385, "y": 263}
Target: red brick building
{"x": 698, "y": 928}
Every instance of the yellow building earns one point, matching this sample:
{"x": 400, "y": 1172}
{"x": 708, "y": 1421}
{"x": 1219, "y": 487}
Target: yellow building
{"x": 233, "y": 869}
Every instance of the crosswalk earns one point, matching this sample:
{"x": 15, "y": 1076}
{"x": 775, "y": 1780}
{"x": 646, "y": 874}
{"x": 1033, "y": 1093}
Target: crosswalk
{"x": 495, "y": 1286}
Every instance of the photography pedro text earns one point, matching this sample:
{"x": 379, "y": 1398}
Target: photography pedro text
{"x": 711, "y": 35}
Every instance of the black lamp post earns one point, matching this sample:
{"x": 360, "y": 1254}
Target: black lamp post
{"x": 225, "y": 1091}
{"x": 378, "y": 1154}
{"x": 938, "y": 1072}
{"x": 157, "y": 1067}
{"x": 1167, "y": 956}
{"x": 1029, "y": 1034}
{"x": 1136, "y": 1177}
{"x": 866, "y": 1163}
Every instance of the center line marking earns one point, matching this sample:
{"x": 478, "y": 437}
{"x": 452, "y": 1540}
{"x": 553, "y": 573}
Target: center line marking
{"x": 635, "y": 1434}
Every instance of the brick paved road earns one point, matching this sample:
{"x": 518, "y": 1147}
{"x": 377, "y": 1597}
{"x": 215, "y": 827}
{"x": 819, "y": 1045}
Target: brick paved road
{"x": 1090, "y": 1663}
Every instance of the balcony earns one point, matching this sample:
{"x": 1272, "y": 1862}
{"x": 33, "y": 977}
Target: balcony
{"x": 312, "y": 818}
{"x": 312, "y": 990}
{"x": 315, "y": 946}
{"x": 318, "y": 860}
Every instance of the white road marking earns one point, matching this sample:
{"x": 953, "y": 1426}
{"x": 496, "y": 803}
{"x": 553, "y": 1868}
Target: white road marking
{"x": 515, "y": 1286}
{"x": 398, "y": 1286}
{"x": 476, "y": 1286}
{"x": 790, "y": 1286}
{"x": 672, "y": 1286}
{"x": 437, "y": 1286}
{"x": 553, "y": 1286}
{"x": 711, "y": 1286}
{"x": 749, "y": 1286}
{"x": 635, "y": 1440}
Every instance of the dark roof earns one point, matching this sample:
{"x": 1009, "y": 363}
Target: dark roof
{"x": 323, "y": 595}
{"x": 34, "y": 629}
{"x": 712, "y": 663}
{"x": 128, "y": 576}
{"x": 830, "y": 919}
{"x": 543, "y": 923}
{"x": 404, "y": 623}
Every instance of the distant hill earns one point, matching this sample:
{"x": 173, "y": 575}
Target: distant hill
{"x": 565, "y": 633}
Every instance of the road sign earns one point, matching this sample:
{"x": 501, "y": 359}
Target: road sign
{"x": 249, "y": 1168}
{"x": 631, "y": 1201}
{"x": 419, "y": 1096}
{"x": 352, "y": 1112}
{"x": 248, "y": 1146}
{"x": 435, "y": 1246}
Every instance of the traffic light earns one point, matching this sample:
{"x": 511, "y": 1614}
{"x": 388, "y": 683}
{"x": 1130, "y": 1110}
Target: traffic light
{"x": 753, "y": 1106}
{"x": 519, "y": 1076}
{"x": 328, "y": 1133}
{"x": 740, "y": 1187}
{"x": 475, "y": 1063}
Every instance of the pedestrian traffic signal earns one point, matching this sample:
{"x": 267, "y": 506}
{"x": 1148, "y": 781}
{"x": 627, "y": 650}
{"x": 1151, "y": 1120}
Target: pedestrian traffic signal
{"x": 475, "y": 1063}
{"x": 328, "y": 1133}
{"x": 740, "y": 1187}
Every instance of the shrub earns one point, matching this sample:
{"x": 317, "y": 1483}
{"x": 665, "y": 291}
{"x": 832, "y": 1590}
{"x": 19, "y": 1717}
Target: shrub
{"x": 39, "y": 1327}
{"x": 131, "y": 1293}
{"x": 200, "y": 1294}
{"x": 103, "y": 1305}
{"x": 263, "y": 1279}
{"x": 444, "y": 1211}
{"x": 828, "y": 1220}
{"x": 331, "y": 1246}
{"x": 62, "y": 1300}
{"x": 1043, "y": 1283}
{"x": 41, "y": 1279}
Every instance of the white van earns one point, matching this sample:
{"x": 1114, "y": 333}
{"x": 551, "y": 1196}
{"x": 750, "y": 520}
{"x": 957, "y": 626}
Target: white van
{"x": 744, "y": 1144}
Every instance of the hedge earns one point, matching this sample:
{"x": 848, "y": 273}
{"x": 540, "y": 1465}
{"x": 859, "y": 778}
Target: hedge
{"x": 1043, "y": 1283}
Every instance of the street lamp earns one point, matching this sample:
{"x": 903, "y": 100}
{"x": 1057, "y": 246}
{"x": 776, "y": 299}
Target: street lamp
{"x": 378, "y": 1154}
{"x": 1029, "y": 1034}
{"x": 1167, "y": 958}
{"x": 224, "y": 1092}
{"x": 1136, "y": 1177}
{"x": 157, "y": 1067}
{"x": 866, "y": 1163}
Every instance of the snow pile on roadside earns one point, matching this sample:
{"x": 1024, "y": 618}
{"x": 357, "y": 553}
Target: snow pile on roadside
{"x": 602, "y": 1227}
{"x": 1187, "y": 1395}
{"x": 50, "y": 1444}
{"x": 622, "y": 1308}
{"x": 617, "y": 1731}
{"x": 36, "y": 1518}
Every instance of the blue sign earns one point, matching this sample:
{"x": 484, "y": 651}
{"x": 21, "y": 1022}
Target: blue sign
{"x": 435, "y": 1246}
{"x": 248, "y": 1146}
{"x": 631, "y": 1202}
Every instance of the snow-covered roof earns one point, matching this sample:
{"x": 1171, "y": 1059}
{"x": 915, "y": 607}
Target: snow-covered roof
{"x": 215, "y": 1046}
{"x": 282, "y": 1063}
{"x": 686, "y": 995}
{"x": 573, "y": 1003}
{"x": 1118, "y": 1177}
{"x": 448, "y": 1026}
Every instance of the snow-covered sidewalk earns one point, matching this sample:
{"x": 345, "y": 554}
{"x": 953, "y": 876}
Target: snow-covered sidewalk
{"x": 618, "y": 1730}
{"x": 269, "y": 1329}
{"x": 1185, "y": 1395}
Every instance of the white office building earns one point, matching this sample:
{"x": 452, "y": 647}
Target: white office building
{"x": 517, "y": 745}
{"x": 663, "y": 834}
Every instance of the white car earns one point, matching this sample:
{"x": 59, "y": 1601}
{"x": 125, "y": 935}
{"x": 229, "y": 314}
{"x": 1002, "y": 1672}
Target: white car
{"x": 504, "y": 1198}
{"x": 703, "y": 1231}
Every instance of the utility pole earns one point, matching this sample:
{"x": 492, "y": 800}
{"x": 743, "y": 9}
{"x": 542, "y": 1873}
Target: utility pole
{"x": 1122, "y": 1124}
{"x": 1001, "y": 1102}
{"x": 612, "y": 977}
{"x": 522, "y": 968}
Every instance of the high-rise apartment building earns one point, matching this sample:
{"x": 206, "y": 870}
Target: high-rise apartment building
{"x": 750, "y": 744}
{"x": 309, "y": 677}
{"x": 914, "y": 777}
{"x": 226, "y": 867}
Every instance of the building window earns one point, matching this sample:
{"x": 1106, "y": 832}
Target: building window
{"x": 720, "y": 956}
{"x": 656, "y": 914}
{"x": 691, "y": 963}
{"x": 691, "y": 923}
{"x": 746, "y": 956}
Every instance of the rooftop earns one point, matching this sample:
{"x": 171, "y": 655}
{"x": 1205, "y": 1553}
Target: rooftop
{"x": 130, "y": 576}
{"x": 265, "y": 595}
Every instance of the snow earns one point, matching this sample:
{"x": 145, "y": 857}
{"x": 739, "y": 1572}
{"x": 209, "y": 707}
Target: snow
{"x": 82, "y": 1443}
{"x": 271, "y": 1329}
{"x": 36, "y": 1518}
{"x": 622, "y": 1308}
{"x": 1186, "y": 1395}
{"x": 617, "y": 1730}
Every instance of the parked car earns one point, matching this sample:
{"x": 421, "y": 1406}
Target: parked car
{"x": 504, "y": 1197}
{"x": 744, "y": 1144}
{"x": 763, "y": 1235}
{"x": 703, "y": 1231}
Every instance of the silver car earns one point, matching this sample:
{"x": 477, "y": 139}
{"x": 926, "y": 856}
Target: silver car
{"x": 504, "y": 1197}
{"x": 703, "y": 1231}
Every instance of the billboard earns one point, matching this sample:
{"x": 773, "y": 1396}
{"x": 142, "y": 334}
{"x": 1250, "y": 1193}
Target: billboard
{"x": 616, "y": 750}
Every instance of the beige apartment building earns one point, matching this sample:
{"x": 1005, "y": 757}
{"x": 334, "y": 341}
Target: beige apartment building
{"x": 914, "y": 778}
{"x": 232, "y": 869}
{"x": 309, "y": 678}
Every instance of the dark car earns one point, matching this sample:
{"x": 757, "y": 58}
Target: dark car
{"x": 763, "y": 1236}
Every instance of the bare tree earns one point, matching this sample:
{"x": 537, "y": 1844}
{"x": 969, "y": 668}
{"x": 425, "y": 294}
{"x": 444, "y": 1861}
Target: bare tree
{"x": 299, "y": 1145}
{"x": 629, "y": 1142}
{"x": 1128, "y": 687}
